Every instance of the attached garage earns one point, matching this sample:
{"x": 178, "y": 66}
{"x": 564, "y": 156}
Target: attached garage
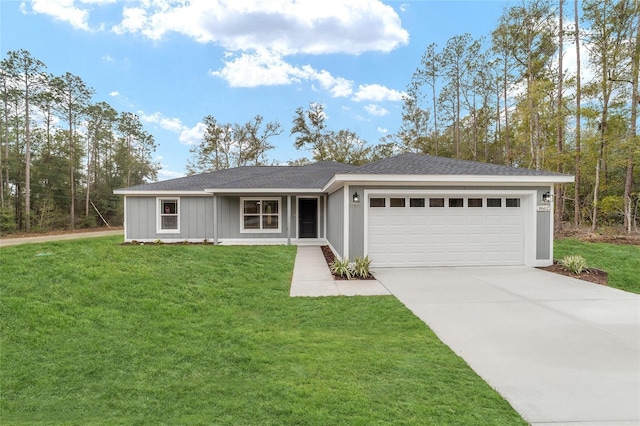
{"x": 447, "y": 228}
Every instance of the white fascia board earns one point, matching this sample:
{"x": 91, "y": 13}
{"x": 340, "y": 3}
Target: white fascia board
{"x": 355, "y": 179}
{"x": 264, "y": 190}
{"x": 160, "y": 193}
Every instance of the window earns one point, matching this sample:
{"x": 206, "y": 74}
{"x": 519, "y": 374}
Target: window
{"x": 456, "y": 202}
{"x": 376, "y": 202}
{"x": 474, "y": 202}
{"x": 512, "y": 202}
{"x": 416, "y": 202}
{"x": 436, "y": 202}
{"x": 396, "y": 202}
{"x": 260, "y": 215}
{"x": 494, "y": 202}
{"x": 168, "y": 215}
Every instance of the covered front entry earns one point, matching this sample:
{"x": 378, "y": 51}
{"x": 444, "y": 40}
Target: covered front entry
{"x": 439, "y": 229}
{"x": 307, "y": 218}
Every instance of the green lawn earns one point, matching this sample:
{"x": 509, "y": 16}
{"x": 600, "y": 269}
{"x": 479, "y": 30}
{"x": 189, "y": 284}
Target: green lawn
{"x": 622, "y": 262}
{"x": 94, "y": 332}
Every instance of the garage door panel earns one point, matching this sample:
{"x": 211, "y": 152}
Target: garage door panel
{"x": 446, "y": 236}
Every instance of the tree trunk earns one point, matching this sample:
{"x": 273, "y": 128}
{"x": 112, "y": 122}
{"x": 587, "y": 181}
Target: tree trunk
{"x": 576, "y": 194}
{"x": 633, "y": 132}
{"x": 559, "y": 196}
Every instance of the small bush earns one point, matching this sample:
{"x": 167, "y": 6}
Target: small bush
{"x": 341, "y": 268}
{"x": 575, "y": 264}
{"x": 361, "y": 267}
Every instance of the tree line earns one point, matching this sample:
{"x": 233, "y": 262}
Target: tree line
{"x": 511, "y": 99}
{"x": 61, "y": 154}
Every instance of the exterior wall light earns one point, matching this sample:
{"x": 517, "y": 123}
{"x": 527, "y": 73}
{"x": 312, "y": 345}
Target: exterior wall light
{"x": 547, "y": 197}
{"x": 356, "y": 197}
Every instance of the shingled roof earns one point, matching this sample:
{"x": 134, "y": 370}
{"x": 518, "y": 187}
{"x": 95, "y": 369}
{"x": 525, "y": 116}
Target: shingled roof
{"x": 315, "y": 176}
{"x": 310, "y": 176}
{"x": 424, "y": 164}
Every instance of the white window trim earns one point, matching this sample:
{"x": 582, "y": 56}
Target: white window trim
{"x": 159, "y": 215}
{"x": 260, "y": 231}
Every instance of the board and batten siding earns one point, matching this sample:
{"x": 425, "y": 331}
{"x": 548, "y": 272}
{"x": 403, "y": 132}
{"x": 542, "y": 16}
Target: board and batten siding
{"x": 195, "y": 216}
{"x": 335, "y": 221}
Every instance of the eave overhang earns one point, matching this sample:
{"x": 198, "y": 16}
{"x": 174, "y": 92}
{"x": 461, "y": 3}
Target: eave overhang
{"x": 340, "y": 180}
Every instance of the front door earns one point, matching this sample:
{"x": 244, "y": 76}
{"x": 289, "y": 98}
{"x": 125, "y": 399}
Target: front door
{"x": 308, "y": 218}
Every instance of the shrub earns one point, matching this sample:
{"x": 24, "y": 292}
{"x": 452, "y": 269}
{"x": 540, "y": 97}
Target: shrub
{"x": 341, "y": 268}
{"x": 361, "y": 267}
{"x": 574, "y": 264}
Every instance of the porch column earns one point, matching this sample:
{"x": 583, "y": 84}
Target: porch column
{"x": 215, "y": 219}
{"x": 288, "y": 220}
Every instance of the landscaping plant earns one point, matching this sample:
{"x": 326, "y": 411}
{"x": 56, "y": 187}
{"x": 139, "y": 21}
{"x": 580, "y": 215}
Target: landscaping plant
{"x": 361, "y": 267}
{"x": 341, "y": 268}
{"x": 575, "y": 264}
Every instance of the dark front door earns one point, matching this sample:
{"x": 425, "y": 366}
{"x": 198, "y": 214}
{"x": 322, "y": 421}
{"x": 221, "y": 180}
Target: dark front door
{"x": 308, "y": 218}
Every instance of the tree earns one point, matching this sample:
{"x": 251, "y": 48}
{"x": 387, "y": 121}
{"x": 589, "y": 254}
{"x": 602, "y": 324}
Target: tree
{"x": 310, "y": 128}
{"x": 610, "y": 30}
{"x": 346, "y": 147}
{"x": 576, "y": 193}
{"x": 26, "y": 73}
{"x": 428, "y": 73}
{"x": 74, "y": 96}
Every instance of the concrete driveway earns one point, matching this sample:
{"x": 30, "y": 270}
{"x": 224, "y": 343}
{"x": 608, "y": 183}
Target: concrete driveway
{"x": 560, "y": 350}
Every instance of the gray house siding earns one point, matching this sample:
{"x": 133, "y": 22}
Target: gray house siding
{"x": 335, "y": 220}
{"x": 195, "y": 215}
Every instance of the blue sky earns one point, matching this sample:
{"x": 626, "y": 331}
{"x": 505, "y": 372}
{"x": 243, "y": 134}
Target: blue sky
{"x": 173, "y": 63}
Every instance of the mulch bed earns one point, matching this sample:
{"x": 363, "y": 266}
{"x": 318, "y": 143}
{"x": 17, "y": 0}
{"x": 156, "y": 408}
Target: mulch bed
{"x": 330, "y": 257}
{"x": 593, "y": 275}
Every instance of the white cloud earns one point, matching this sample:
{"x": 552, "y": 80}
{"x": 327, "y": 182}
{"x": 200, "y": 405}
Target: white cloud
{"x": 167, "y": 123}
{"x": 376, "y": 110}
{"x": 192, "y": 136}
{"x": 382, "y": 130}
{"x": 376, "y": 93}
{"x": 114, "y": 94}
{"x": 62, "y": 10}
{"x": 108, "y": 58}
{"x": 285, "y": 26}
{"x": 266, "y": 68}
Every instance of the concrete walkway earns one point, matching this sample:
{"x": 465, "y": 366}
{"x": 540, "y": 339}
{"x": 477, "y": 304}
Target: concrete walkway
{"x": 5, "y": 242}
{"x": 312, "y": 278}
{"x": 562, "y": 351}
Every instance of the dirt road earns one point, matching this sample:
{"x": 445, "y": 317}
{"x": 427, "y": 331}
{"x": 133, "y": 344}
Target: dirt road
{"x": 5, "y": 242}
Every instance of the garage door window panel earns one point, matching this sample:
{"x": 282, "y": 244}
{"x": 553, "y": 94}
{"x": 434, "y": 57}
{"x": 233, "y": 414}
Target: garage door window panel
{"x": 377, "y": 202}
{"x": 474, "y": 202}
{"x": 494, "y": 202}
{"x": 396, "y": 202}
{"x": 512, "y": 202}
{"x": 436, "y": 202}
{"x": 456, "y": 202}
{"x": 416, "y": 202}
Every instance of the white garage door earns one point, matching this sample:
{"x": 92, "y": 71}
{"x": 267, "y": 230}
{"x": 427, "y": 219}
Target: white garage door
{"x": 437, "y": 230}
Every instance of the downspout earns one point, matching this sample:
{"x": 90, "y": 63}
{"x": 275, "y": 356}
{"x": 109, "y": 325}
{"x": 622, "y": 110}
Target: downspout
{"x": 288, "y": 220}
{"x": 215, "y": 219}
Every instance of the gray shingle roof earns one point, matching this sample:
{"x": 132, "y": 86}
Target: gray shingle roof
{"x": 424, "y": 164}
{"x": 316, "y": 175}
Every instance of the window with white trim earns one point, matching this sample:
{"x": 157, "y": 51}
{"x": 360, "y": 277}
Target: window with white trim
{"x": 260, "y": 215}
{"x": 168, "y": 215}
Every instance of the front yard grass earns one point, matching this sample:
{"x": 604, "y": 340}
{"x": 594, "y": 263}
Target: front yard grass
{"x": 621, "y": 261}
{"x": 94, "y": 332}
